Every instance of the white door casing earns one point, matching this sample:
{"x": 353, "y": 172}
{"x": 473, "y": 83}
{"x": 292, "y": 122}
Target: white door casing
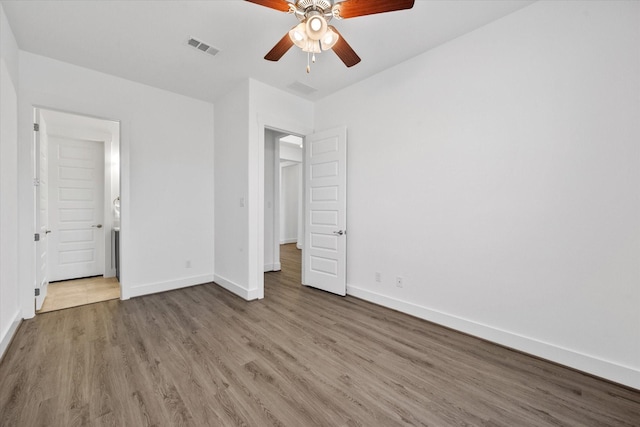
{"x": 41, "y": 209}
{"x": 325, "y": 242}
{"x": 76, "y": 208}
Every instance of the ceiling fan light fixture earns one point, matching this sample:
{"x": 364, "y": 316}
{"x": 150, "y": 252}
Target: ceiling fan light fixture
{"x": 298, "y": 35}
{"x": 313, "y": 34}
{"x": 312, "y": 46}
{"x": 329, "y": 39}
{"x": 316, "y": 25}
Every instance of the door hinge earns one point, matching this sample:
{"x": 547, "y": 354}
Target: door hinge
{"x": 37, "y": 292}
{"x": 36, "y": 237}
{"x": 36, "y": 127}
{"x": 36, "y": 182}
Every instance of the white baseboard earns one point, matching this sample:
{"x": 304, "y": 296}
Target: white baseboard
{"x": 602, "y": 368}
{"x": 248, "y": 294}
{"x": 8, "y": 336}
{"x": 153, "y": 288}
{"x": 272, "y": 267}
{"x": 287, "y": 241}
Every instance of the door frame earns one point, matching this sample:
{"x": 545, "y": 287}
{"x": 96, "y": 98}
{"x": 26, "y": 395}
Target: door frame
{"x": 28, "y": 306}
{"x": 276, "y": 203}
{"x": 41, "y": 285}
{"x": 277, "y": 197}
{"x": 277, "y": 124}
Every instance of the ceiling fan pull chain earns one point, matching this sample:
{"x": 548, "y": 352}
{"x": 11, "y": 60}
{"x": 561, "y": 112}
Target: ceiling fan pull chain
{"x": 308, "y": 65}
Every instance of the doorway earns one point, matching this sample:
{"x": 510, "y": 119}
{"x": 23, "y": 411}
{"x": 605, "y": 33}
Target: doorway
{"x": 76, "y": 192}
{"x": 324, "y": 198}
{"x": 282, "y": 195}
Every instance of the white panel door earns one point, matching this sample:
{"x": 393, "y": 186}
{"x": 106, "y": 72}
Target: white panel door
{"x": 76, "y": 206}
{"x": 41, "y": 215}
{"x": 325, "y": 242}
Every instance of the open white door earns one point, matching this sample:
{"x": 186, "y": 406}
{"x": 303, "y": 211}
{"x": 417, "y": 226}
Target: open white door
{"x": 325, "y": 239}
{"x": 41, "y": 205}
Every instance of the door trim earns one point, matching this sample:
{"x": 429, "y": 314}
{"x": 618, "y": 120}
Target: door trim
{"x": 42, "y": 279}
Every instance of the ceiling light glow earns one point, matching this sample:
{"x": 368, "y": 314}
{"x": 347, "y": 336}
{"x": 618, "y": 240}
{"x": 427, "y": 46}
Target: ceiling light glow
{"x": 298, "y": 35}
{"x": 316, "y": 24}
{"x": 329, "y": 39}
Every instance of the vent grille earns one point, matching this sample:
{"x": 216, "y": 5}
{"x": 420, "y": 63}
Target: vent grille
{"x": 203, "y": 47}
{"x": 302, "y": 88}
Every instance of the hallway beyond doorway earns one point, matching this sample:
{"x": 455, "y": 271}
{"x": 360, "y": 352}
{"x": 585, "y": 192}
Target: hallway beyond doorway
{"x": 291, "y": 271}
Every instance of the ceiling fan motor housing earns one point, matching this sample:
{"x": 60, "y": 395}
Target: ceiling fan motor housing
{"x": 305, "y": 9}
{"x": 323, "y": 5}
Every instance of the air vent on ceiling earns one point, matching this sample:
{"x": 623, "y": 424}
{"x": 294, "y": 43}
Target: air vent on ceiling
{"x": 302, "y": 88}
{"x": 201, "y": 46}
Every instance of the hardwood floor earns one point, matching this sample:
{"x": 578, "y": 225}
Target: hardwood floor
{"x": 301, "y": 357}
{"x": 72, "y": 293}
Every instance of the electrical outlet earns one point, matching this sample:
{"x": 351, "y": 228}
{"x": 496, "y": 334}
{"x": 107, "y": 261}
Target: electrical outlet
{"x": 187, "y": 263}
{"x": 399, "y": 282}
{"x": 377, "y": 275}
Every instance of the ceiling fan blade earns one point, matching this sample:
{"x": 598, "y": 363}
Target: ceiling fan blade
{"x": 354, "y": 8}
{"x": 279, "y": 49}
{"x": 344, "y": 51}
{"x": 281, "y": 5}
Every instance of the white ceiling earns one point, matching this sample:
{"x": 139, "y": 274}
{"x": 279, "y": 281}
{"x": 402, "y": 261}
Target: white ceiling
{"x": 145, "y": 41}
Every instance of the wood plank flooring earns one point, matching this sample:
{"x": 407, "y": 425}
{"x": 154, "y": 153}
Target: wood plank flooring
{"x": 201, "y": 356}
{"x": 72, "y": 293}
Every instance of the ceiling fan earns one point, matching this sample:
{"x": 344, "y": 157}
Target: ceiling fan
{"x": 313, "y": 34}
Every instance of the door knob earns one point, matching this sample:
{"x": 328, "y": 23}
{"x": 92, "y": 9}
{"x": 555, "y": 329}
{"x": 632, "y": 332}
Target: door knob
{"x": 97, "y": 226}
{"x": 338, "y": 233}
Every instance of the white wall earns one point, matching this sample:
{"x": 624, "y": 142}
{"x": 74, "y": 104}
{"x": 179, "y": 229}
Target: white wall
{"x": 9, "y": 290}
{"x": 292, "y": 213}
{"x": 499, "y": 174}
{"x": 231, "y": 182}
{"x": 242, "y": 116}
{"x": 166, "y": 170}
{"x": 289, "y": 191}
